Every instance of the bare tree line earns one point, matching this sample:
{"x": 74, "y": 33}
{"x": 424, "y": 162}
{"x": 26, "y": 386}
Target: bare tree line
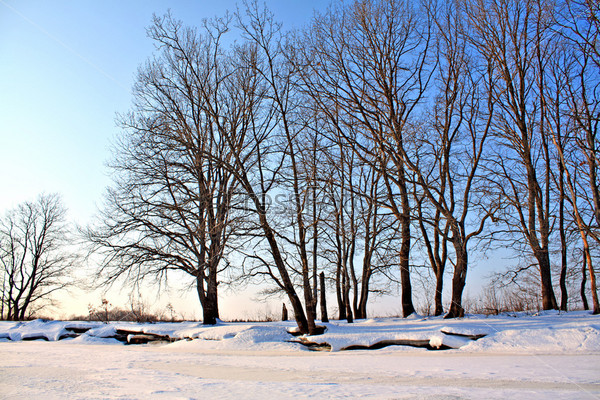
{"x": 388, "y": 126}
{"x": 384, "y": 136}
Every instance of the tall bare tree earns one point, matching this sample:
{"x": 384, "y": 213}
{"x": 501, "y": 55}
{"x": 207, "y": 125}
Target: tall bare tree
{"x": 361, "y": 235}
{"x": 575, "y": 108}
{"x": 170, "y": 208}
{"x": 277, "y": 77}
{"x": 368, "y": 61}
{"x": 452, "y": 149}
{"x": 511, "y": 35}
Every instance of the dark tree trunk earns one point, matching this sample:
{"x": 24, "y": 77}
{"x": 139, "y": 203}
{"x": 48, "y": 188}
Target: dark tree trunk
{"x": 548, "y": 299}
{"x": 583, "y": 281}
{"x": 209, "y": 313}
{"x": 22, "y": 313}
{"x": 284, "y": 313}
{"x": 407, "y": 303}
{"x": 315, "y": 233}
{"x": 436, "y": 260}
{"x": 355, "y": 289}
{"x": 362, "y": 305}
{"x": 308, "y": 298}
{"x": 346, "y": 295}
{"x": 370, "y": 243}
{"x": 349, "y": 316}
{"x": 324, "y": 317}
{"x": 458, "y": 282}
{"x": 364, "y": 290}
{"x": 564, "y": 296}
{"x": 338, "y": 292}
{"x": 208, "y": 300}
{"x": 287, "y": 284}
{"x": 439, "y": 282}
{"x": 536, "y": 209}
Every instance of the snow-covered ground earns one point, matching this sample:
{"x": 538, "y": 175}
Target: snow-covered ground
{"x": 549, "y": 355}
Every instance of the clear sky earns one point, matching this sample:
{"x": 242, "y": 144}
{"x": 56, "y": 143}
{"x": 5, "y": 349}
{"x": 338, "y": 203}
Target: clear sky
{"x": 66, "y": 68}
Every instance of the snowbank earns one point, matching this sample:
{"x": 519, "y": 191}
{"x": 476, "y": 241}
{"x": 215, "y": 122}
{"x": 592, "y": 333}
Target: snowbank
{"x": 547, "y": 332}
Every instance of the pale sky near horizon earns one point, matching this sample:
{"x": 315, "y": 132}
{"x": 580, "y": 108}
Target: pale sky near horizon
{"x": 66, "y": 68}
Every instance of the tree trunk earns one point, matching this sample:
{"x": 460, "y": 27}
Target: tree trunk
{"x": 564, "y": 296}
{"x": 208, "y": 300}
{"x": 583, "y": 281}
{"x": 458, "y": 282}
{"x": 439, "y": 282}
{"x": 354, "y": 288}
{"x": 586, "y": 251}
{"x": 210, "y": 312}
{"x": 540, "y": 250}
{"x": 370, "y": 243}
{"x": 338, "y": 292}
{"x": 364, "y": 287}
{"x": 324, "y": 317}
{"x": 308, "y": 298}
{"x": 288, "y": 286}
{"x": 284, "y": 313}
{"x": 346, "y": 295}
{"x": 548, "y": 299}
{"x": 315, "y": 234}
{"x": 407, "y": 303}
{"x": 2, "y": 302}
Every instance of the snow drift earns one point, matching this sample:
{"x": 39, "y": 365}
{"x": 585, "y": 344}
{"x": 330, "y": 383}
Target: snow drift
{"x": 545, "y": 332}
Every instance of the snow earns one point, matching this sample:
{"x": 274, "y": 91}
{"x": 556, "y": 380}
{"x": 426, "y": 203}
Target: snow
{"x": 549, "y": 355}
{"x": 48, "y": 330}
{"x": 548, "y": 332}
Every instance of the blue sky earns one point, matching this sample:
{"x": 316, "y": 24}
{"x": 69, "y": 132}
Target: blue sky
{"x": 66, "y": 68}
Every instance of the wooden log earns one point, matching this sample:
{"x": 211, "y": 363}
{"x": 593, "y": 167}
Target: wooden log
{"x": 472, "y": 337}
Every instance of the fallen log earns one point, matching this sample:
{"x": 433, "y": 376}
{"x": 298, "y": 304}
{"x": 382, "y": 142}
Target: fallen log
{"x": 324, "y": 346}
{"x": 139, "y": 337}
{"x": 472, "y": 337}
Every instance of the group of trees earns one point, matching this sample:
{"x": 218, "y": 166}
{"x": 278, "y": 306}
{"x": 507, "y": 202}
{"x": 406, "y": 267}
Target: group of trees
{"x": 385, "y": 135}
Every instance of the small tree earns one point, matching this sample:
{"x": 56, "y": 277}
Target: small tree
{"x": 33, "y": 258}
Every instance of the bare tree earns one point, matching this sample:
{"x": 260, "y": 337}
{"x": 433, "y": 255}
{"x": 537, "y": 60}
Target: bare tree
{"x": 451, "y": 151}
{"x": 342, "y": 235}
{"x": 34, "y": 257}
{"x": 366, "y": 66}
{"x": 434, "y": 236}
{"x": 170, "y": 208}
{"x": 579, "y": 106}
{"x": 514, "y": 36}
{"x": 279, "y": 167}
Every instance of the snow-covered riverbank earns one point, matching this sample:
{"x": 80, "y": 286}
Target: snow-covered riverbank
{"x": 545, "y": 356}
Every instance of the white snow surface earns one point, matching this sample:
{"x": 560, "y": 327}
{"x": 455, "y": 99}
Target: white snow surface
{"x": 548, "y": 355}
